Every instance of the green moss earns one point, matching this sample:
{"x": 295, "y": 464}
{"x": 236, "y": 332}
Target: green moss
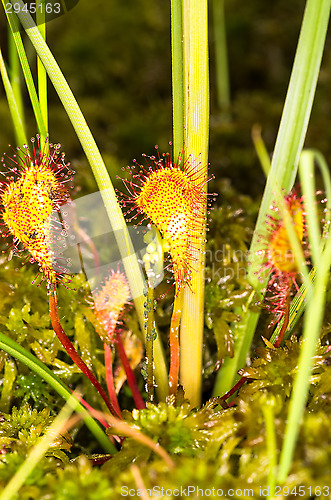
{"x": 78, "y": 480}
{"x": 24, "y": 317}
{"x": 32, "y": 389}
{"x": 227, "y": 289}
{"x": 24, "y": 427}
{"x": 211, "y": 448}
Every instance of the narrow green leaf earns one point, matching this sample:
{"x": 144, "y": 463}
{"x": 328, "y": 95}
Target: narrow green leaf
{"x": 221, "y": 55}
{"x": 14, "y": 27}
{"x": 307, "y": 178}
{"x": 42, "y": 75}
{"x": 295, "y": 118}
{"x": 177, "y": 76}
{"x": 14, "y": 72}
{"x": 106, "y": 188}
{"x": 14, "y": 111}
{"x": 18, "y": 352}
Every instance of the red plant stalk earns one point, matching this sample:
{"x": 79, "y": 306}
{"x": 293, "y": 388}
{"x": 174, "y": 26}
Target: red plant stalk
{"x": 93, "y": 412}
{"x": 139, "y": 402}
{"x": 110, "y": 379}
{"x": 285, "y": 321}
{"x": 109, "y": 302}
{"x": 61, "y": 335}
{"x": 281, "y": 263}
{"x": 173, "y": 196}
{"x": 234, "y": 389}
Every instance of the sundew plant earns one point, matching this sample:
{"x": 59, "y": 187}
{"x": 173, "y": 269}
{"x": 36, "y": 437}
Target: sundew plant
{"x": 164, "y": 325}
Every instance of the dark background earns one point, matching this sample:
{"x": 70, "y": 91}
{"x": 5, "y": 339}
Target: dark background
{"x": 116, "y": 58}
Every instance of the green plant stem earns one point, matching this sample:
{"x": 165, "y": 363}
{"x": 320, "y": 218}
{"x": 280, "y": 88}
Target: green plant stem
{"x": 291, "y": 135}
{"x": 13, "y": 107}
{"x": 25, "y": 357}
{"x": 312, "y": 325}
{"x": 222, "y": 67}
{"x": 307, "y": 179}
{"x": 14, "y": 27}
{"x": 196, "y": 119}
{"x": 270, "y": 431}
{"x": 15, "y": 77}
{"x": 325, "y": 171}
{"x": 61, "y": 335}
{"x": 107, "y": 191}
{"x": 174, "y": 342}
{"x": 177, "y": 76}
{"x": 150, "y": 329}
{"x": 42, "y": 75}
{"x": 261, "y": 149}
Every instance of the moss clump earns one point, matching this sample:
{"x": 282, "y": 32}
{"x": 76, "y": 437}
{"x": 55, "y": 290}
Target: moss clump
{"x": 24, "y": 427}
{"x": 211, "y": 447}
{"x": 227, "y": 289}
{"x": 78, "y": 480}
{"x": 32, "y": 389}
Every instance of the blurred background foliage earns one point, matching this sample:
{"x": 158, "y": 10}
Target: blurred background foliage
{"x": 116, "y": 58}
{"x": 117, "y": 61}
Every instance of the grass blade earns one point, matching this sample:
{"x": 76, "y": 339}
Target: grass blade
{"x": 295, "y": 118}
{"x": 13, "y": 107}
{"x": 291, "y": 135}
{"x": 177, "y": 76}
{"x": 107, "y": 191}
{"x": 221, "y": 56}
{"x": 196, "y": 116}
{"x": 14, "y": 75}
{"x": 18, "y": 352}
{"x": 42, "y": 75}
{"x": 14, "y": 27}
